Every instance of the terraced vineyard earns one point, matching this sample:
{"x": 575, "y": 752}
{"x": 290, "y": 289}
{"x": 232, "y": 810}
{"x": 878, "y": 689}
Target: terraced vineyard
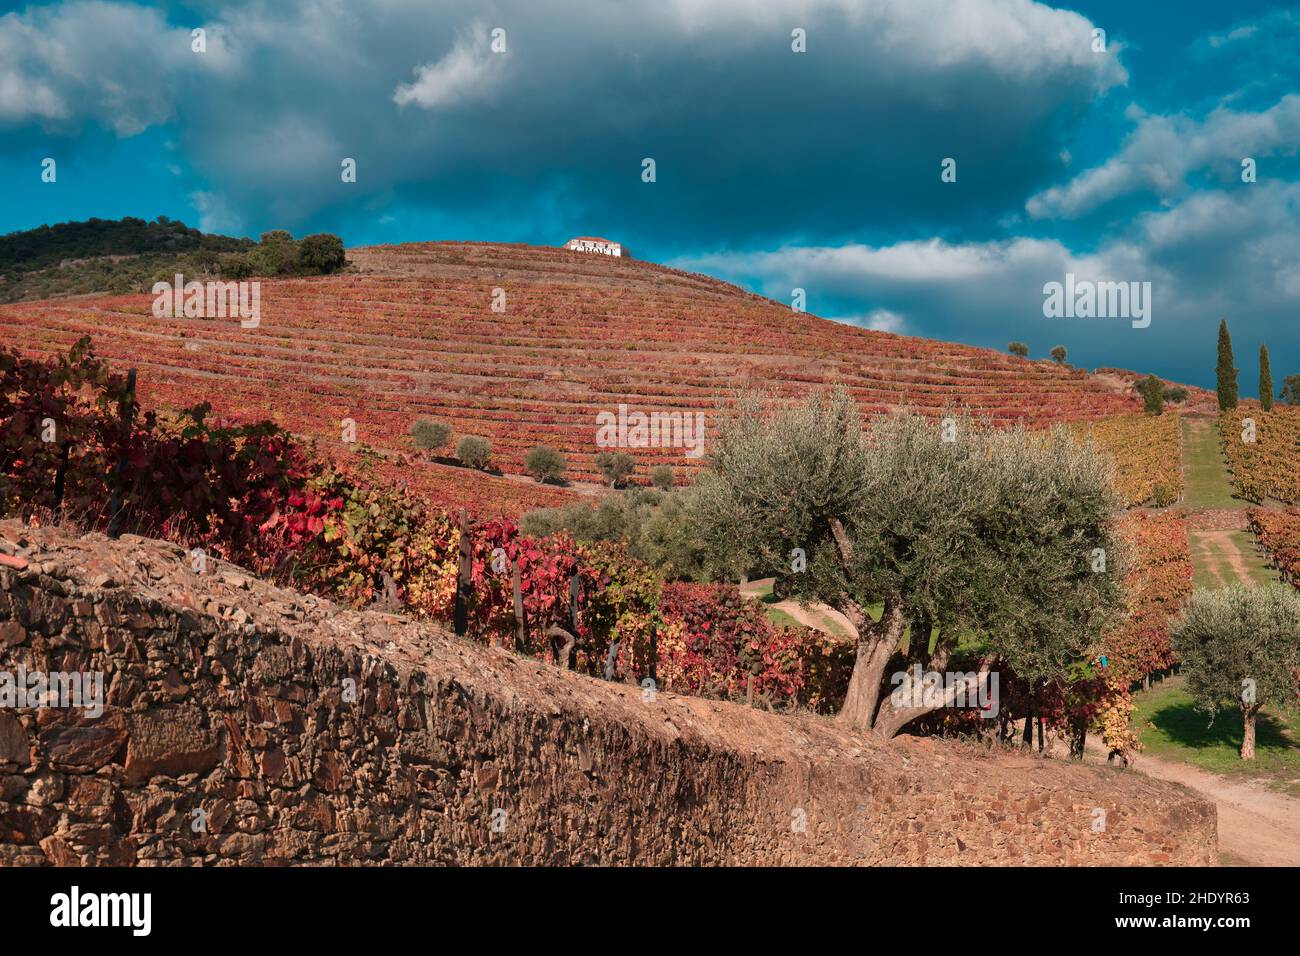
{"x": 1279, "y": 533}
{"x": 1159, "y": 581}
{"x": 1266, "y": 467}
{"x": 411, "y": 332}
{"x": 1147, "y": 452}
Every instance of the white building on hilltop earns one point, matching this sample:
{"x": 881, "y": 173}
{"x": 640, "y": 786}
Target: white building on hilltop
{"x": 596, "y": 244}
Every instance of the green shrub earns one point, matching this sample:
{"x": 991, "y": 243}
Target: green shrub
{"x": 474, "y": 452}
{"x": 1018, "y": 348}
{"x": 616, "y": 466}
{"x": 545, "y": 464}
{"x": 430, "y": 435}
{"x": 237, "y": 266}
{"x": 321, "y": 254}
{"x": 662, "y": 477}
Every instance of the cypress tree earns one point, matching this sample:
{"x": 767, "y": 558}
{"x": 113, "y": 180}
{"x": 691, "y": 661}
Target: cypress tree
{"x": 1226, "y": 370}
{"x": 1153, "y": 397}
{"x": 1265, "y": 380}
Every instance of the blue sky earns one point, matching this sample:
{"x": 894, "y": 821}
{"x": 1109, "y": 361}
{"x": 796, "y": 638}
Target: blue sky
{"x": 818, "y": 170}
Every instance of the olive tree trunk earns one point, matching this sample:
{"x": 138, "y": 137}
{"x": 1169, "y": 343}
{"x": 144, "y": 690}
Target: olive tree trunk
{"x": 892, "y": 718}
{"x": 877, "y": 642}
{"x": 1248, "y": 733}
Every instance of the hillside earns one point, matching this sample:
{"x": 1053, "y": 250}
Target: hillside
{"x": 72, "y": 258}
{"x": 410, "y": 331}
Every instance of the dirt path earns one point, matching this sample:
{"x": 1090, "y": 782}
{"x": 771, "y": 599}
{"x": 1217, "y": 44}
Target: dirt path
{"x": 1257, "y": 826}
{"x": 819, "y": 617}
{"x": 1223, "y": 550}
{"x": 1220, "y": 554}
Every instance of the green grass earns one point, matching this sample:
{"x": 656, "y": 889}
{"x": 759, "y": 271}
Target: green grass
{"x": 1204, "y": 471}
{"x": 1170, "y": 727}
{"x": 783, "y": 618}
{"x": 780, "y": 618}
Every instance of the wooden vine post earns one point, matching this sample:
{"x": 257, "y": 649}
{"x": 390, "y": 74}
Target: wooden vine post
{"x": 464, "y": 581}
{"x": 60, "y": 477}
{"x": 127, "y": 412}
{"x": 516, "y": 584}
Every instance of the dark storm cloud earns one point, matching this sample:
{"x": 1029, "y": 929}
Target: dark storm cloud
{"x": 749, "y": 137}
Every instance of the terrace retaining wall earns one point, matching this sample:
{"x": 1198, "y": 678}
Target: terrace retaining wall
{"x": 230, "y": 736}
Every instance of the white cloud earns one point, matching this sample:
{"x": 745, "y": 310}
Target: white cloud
{"x": 117, "y": 64}
{"x": 1163, "y": 151}
{"x": 1020, "y": 39}
{"x": 470, "y": 71}
{"x": 215, "y": 214}
{"x": 880, "y": 320}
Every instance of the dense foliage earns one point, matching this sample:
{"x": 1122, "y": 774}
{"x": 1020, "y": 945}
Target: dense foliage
{"x": 654, "y": 526}
{"x": 48, "y": 246}
{"x": 1147, "y": 453}
{"x": 1279, "y": 533}
{"x": 130, "y": 255}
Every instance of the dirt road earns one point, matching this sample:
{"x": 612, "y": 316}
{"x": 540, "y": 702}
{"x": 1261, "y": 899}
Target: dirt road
{"x": 1257, "y": 826}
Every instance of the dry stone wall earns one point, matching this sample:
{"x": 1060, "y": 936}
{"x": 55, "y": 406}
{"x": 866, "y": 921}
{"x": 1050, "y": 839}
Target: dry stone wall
{"x": 246, "y": 724}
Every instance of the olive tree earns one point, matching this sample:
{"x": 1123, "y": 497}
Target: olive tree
{"x": 616, "y": 466}
{"x": 474, "y": 452}
{"x": 546, "y": 464}
{"x": 951, "y": 523}
{"x": 430, "y": 435}
{"x": 1240, "y": 647}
